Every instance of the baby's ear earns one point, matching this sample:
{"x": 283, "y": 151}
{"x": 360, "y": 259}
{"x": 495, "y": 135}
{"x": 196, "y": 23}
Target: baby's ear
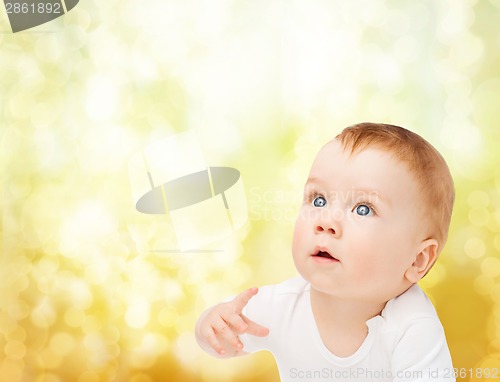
{"x": 423, "y": 261}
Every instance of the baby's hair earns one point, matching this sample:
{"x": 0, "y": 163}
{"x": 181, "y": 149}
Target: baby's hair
{"x": 423, "y": 161}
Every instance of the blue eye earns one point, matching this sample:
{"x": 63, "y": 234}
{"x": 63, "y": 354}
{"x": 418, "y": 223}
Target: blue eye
{"x": 319, "y": 201}
{"x": 363, "y": 210}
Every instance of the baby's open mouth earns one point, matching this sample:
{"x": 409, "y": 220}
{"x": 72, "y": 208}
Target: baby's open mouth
{"x": 325, "y": 255}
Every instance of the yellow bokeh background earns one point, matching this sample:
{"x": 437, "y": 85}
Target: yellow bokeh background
{"x": 263, "y": 84}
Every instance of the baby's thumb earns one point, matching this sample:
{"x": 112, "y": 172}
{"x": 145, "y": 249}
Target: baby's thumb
{"x": 254, "y": 328}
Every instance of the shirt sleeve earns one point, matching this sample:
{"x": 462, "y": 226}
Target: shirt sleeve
{"x": 422, "y": 354}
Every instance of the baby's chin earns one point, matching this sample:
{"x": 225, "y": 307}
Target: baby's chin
{"x": 327, "y": 284}
{"x": 320, "y": 282}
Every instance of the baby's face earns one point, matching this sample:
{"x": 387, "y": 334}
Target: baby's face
{"x": 359, "y": 227}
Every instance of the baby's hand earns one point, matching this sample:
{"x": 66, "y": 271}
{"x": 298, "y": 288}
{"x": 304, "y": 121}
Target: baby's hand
{"x": 219, "y": 327}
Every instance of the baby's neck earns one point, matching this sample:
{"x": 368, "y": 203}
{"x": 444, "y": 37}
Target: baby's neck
{"x": 342, "y": 323}
{"x": 343, "y": 312}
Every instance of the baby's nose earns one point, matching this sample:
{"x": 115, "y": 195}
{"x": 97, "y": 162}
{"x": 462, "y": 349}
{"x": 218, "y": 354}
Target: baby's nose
{"x": 324, "y": 227}
{"x": 328, "y": 222}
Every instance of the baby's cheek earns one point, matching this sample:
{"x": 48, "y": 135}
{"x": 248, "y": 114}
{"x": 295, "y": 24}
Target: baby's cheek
{"x": 296, "y": 241}
{"x": 298, "y": 230}
{"x": 365, "y": 273}
{"x": 368, "y": 269}
{"x": 299, "y": 240}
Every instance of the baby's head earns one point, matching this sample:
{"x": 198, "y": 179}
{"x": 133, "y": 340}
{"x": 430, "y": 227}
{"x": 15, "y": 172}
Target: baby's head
{"x": 377, "y": 207}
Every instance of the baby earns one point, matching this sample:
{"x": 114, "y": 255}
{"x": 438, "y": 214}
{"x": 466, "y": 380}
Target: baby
{"x": 375, "y": 216}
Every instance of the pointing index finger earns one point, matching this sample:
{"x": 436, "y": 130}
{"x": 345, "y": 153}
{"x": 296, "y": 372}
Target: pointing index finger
{"x": 242, "y": 299}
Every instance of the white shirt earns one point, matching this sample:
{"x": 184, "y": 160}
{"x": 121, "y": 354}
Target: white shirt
{"x": 406, "y": 342}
